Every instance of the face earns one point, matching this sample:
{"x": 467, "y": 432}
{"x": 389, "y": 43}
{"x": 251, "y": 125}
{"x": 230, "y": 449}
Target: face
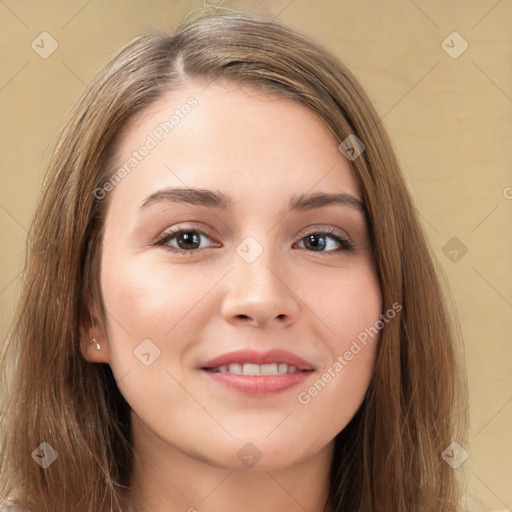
{"x": 236, "y": 275}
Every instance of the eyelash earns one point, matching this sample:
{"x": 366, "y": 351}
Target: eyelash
{"x": 345, "y": 243}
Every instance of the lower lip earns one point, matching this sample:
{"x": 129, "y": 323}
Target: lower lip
{"x": 259, "y": 385}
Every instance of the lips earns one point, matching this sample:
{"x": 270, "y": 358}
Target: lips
{"x": 257, "y": 373}
{"x": 251, "y": 357}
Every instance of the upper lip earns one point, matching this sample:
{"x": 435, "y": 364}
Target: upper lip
{"x": 254, "y": 357}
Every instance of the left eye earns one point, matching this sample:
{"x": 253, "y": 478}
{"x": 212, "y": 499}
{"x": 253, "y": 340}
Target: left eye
{"x": 325, "y": 242}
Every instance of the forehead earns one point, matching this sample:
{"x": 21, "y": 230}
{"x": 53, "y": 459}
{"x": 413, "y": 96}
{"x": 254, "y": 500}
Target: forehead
{"x": 247, "y": 142}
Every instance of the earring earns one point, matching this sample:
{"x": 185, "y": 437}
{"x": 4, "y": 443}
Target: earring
{"x": 98, "y": 346}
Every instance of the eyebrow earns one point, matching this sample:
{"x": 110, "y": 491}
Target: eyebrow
{"x": 199, "y": 197}
{"x": 214, "y": 199}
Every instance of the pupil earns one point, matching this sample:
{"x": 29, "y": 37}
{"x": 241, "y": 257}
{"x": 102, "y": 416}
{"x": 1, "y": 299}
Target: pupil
{"x": 313, "y": 241}
{"x": 190, "y": 237}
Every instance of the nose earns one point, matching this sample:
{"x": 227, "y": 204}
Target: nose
{"x": 259, "y": 294}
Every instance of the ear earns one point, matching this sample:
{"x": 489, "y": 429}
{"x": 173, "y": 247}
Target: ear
{"x": 94, "y": 343}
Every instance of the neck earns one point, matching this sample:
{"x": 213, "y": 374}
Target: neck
{"x": 166, "y": 479}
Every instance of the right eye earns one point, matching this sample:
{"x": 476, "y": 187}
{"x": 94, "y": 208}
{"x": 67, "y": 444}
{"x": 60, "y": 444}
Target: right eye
{"x": 183, "y": 241}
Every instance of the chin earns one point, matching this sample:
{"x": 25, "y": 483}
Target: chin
{"x": 260, "y": 454}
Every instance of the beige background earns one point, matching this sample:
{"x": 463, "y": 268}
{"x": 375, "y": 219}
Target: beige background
{"x": 450, "y": 119}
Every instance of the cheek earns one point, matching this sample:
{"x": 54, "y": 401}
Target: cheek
{"x": 346, "y": 304}
{"x": 351, "y": 310}
{"x": 142, "y": 309}
{"x": 152, "y": 321}
{"x": 151, "y": 299}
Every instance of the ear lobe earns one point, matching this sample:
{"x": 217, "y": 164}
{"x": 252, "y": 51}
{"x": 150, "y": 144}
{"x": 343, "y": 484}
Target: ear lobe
{"x": 94, "y": 350}
{"x": 93, "y": 341}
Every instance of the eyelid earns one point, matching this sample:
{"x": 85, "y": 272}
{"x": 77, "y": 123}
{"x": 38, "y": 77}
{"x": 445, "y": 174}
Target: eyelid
{"x": 173, "y": 230}
{"x": 331, "y": 230}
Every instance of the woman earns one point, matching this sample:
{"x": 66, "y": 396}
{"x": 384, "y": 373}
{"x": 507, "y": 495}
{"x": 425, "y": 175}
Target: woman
{"x": 229, "y": 302}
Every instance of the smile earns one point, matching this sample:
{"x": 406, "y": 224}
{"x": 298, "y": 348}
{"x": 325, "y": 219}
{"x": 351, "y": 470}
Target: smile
{"x": 256, "y": 369}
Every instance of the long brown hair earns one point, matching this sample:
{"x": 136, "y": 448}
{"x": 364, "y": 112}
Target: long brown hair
{"x": 388, "y": 458}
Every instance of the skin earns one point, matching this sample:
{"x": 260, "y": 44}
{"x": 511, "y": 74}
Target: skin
{"x": 260, "y": 150}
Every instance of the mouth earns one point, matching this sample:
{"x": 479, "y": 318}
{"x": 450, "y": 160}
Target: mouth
{"x": 255, "y": 369}
{"x": 257, "y": 374}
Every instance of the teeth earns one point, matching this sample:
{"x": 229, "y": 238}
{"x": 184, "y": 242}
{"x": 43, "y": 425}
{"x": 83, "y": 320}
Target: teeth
{"x": 256, "y": 369}
{"x": 252, "y": 369}
{"x": 269, "y": 369}
{"x": 283, "y": 368}
{"x": 235, "y": 368}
